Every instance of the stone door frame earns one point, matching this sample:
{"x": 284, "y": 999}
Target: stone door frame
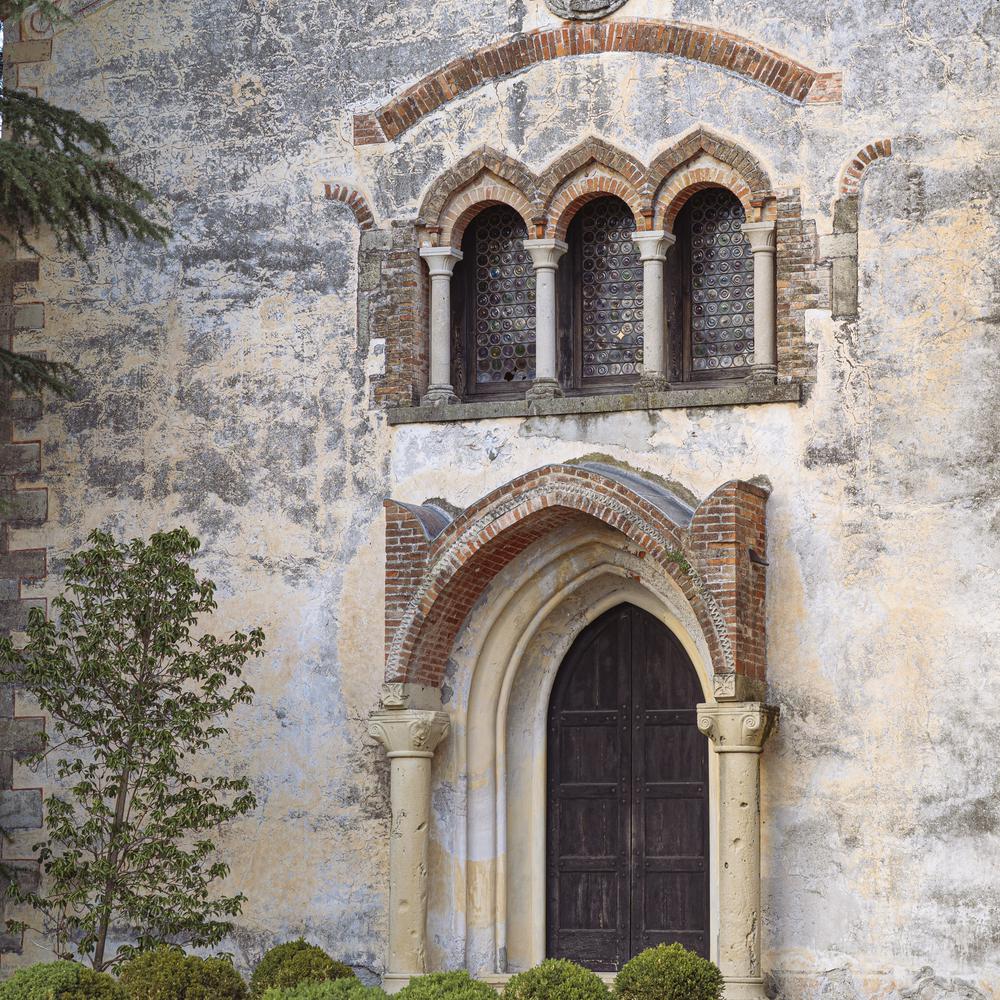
{"x": 502, "y": 651}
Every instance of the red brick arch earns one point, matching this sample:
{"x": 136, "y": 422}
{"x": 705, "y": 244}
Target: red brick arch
{"x": 853, "y": 171}
{"x": 434, "y": 577}
{"x": 482, "y": 162}
{"x": 732, "y": 53}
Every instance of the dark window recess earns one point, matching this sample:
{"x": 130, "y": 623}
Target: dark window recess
{"x": 599, "y": 300}
{"x": 717, "y": 279}
{"x": 494, "y": 308}
{"x": 627, "y": 796}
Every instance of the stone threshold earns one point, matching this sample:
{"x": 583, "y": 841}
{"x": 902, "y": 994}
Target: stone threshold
{"x": 737, "y": 394}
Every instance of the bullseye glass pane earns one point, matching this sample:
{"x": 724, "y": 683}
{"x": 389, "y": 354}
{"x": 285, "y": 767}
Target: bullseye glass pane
{"x": 612, "y": 292}
{"x": 504, "y": 334}
{"x": 721, "y": 285}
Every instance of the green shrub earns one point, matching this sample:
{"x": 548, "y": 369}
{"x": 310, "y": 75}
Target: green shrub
{"x": 556, "y": 979}
{"x": 168, "y": 974}
{"x": 60, "y": 981}
{"x": 668, "y": 972}
{"x": 446, "y": 986}
{"x": 331, "y": 989}
{"x": 295, "y": 962}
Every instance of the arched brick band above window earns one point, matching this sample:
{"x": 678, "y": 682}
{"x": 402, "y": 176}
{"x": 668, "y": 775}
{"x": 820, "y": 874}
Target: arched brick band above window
{"x": 732, "y": 53}
{"x": 548, "y": 201}
{"x": 355, "y": 201}
{"x": 852, "y": 172}
{"x": 437, "y": 569}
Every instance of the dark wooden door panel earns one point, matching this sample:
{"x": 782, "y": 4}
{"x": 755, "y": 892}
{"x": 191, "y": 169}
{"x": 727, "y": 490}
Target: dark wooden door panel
{"x": 589, "y": 906}
{"x": 628, "y": 803}
{"x": 670, "y": 802}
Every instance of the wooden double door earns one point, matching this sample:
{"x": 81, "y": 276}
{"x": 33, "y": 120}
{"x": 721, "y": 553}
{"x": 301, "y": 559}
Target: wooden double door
{"x": 627, "y": 851}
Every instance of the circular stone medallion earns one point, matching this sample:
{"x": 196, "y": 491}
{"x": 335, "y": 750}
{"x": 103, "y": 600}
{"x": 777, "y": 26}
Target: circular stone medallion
{"x": 583, "y": 10}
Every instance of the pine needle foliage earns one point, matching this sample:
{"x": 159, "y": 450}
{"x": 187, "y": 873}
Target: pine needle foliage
{"x": 58, "y": 173}
{"x": 136, "y": 697}
{"x": 57, "y": 170}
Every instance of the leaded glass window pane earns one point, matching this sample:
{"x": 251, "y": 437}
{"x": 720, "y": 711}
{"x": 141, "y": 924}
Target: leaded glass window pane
{"x": 721, "y": 285}
{"x": 611, "y": 278}
{"x": 503, "y": 341}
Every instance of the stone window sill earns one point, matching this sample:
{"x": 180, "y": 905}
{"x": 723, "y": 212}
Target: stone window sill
{"x": 735, "y": 394}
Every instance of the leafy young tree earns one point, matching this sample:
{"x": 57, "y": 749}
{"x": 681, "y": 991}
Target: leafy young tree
{"x": 135, "y": 696}
{"x": 57, "y": 172}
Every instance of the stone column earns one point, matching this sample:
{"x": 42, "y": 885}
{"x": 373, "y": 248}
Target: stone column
{"x": 545, "y": 256}
{"x": 441, "y": 263}
{"x": 410, "y": 737}
{"x": 738, "y": 731}
{"x": 653, "y": 247}
{"x": 765, "y": 347}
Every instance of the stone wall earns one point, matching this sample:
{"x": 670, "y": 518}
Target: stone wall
{"x": 233, "y": 381}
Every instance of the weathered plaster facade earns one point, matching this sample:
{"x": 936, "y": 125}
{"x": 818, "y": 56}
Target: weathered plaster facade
{"x": 236, "y": 382}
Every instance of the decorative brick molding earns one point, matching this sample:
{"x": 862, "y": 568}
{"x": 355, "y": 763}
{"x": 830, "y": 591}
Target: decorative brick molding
{"x": 691, "y": 179}
{"x": 355, "y": 201}
{"x": 487, "y": 190}
{"x": 484, "y": 161}
{"x": 548, "y": 201}
{"x": 712, "y": 46}
{"x": 436, "y": 569}
{"x": 852, "y": 172}
{"x": 585, "y": 187}
{"x": 592, "y": 150}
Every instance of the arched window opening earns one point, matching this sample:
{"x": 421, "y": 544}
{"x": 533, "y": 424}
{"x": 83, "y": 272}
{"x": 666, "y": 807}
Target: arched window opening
{"x": 494, "y": 308}
{"x": 713, "y": 315}
{"x": 600, "y": 307}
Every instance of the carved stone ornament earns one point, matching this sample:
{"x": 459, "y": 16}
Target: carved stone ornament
{"x": 737, "y": 727}
{"x": 409, "y": 733}
{"x": 583, "y": 10}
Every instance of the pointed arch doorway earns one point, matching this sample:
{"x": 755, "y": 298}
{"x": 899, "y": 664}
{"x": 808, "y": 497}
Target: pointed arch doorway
{"x": 628, "y": 796}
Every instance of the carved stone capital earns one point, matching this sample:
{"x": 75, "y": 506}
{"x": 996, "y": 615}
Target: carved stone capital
{"x": 545, "y": 254}
{"x": 654, "y": 245}
{"x": 761, "y": 236}
{"x": 409, "y": 732}
{"x": 441, "y": 261}
{"x": 737, "y": 727}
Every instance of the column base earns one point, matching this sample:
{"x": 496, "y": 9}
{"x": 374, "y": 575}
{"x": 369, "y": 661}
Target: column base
{"x": 439, "y": 395}
{"x": 763, "y": 374}
{"x": 544, "y": 388}
{"x": 653, "y": 382}
{"x": 738, "y": 988}
{"x": 393, "y": 982}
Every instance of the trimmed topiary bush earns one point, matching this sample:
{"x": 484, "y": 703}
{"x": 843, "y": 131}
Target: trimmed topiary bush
{"x": 60, "y": 981}
{"x": 330, "y": 989}
{"x": 668, "y": 972}
{"x": 168, "y": 974}
{"x": 556, "y": 979}
{"x": 295, "y": 962}
{"x": 446, "y": 986}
